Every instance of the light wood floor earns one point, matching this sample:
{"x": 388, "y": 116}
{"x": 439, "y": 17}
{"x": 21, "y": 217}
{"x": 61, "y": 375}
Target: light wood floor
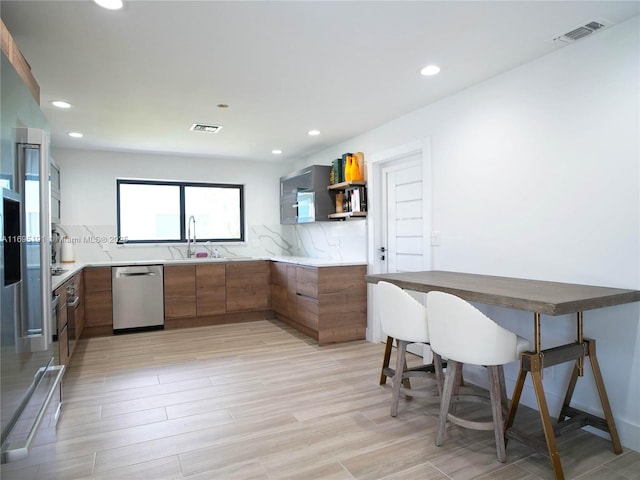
{"x": 260, "y": 401}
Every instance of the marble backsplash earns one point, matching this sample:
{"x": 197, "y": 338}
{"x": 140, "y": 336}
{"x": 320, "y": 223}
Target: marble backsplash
{"x": 339, "y": 241}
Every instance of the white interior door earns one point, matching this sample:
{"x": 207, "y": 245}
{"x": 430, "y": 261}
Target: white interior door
{"x": 401, "y": 219}
{"x": 402, "y": 229}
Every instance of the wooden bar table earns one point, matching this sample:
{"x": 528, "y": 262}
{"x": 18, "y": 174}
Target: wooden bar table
{"x": 541, "y": 298}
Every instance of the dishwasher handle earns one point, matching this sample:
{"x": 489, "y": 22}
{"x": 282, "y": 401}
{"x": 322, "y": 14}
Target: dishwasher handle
{"x": 137, "y": 271}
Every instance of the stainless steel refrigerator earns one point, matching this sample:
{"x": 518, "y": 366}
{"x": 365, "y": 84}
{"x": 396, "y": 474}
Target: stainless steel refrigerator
{"x": 30, "y": 373}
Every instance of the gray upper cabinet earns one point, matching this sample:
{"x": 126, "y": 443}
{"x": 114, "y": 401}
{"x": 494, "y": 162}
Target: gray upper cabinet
{"x": 304, "y": 197}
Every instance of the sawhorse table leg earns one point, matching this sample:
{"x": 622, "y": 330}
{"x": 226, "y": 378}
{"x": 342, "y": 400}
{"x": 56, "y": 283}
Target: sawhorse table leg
{"x": 533, "y": 362}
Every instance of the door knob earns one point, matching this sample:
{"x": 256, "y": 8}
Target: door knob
{"x": 382, "y": 249}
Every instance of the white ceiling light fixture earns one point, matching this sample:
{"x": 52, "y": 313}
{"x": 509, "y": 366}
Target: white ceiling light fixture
{"x": 276, "y": 151}
{"x": 430, "y": 70}
{"x": 313, "y": 133}
{"x": 76, "y": 134}
{"x": 61, "y": 104}
{"x": 110, "y": 4}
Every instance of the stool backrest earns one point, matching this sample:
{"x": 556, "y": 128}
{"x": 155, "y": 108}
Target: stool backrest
{"x": 461, "y": 332}
{"x": 401, "y": 316}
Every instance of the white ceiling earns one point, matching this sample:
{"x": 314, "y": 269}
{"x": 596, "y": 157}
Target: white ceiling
{"x": 139, "y": 77}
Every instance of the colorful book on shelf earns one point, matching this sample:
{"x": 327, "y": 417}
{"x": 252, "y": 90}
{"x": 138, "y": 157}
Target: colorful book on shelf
{"x": 338, "y": 170}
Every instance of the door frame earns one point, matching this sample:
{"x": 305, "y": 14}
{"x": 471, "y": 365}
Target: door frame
{"x": 375, "y": 164}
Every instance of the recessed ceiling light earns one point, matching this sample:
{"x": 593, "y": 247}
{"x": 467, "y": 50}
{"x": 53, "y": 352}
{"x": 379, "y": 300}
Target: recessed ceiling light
{"x": 110, "y": 4}
{"x": 313, "y": 133}
{"x": 276, "y": 151}
{"x": 75, "y": 134}
{"x": 61, "y": 104}
{"x": 430, "y": 70}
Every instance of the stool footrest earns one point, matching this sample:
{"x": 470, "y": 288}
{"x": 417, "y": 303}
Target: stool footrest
{"x": 427, "y": 391}
{"x": 471, "y": 397}
{"x": 428, "y": 368}
{"x": 474, "y": 425}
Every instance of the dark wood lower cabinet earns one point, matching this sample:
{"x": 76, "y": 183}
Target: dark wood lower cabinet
{"x": 327, "y": 303}
{"x": 216, "y": 293}
{"x": 248, "y": 286}
{"x": 179, "y": 291}
{"x": 211, "y": 295}
{"x": 330, "y": 303}
{"x": 98, "y": 302}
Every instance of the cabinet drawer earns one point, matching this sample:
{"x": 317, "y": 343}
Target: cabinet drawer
{"x": 307, "y": 281}
{"x": 307, "y": 312}
{"x": 342, "y": 279}
{"x": 243, "y": 274}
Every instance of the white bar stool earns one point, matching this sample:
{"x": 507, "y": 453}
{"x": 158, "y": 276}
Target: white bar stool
{"x": 462, "y": 334}
{"x": 404, "y": 318}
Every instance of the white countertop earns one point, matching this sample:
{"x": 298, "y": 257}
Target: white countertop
{"x": 316, "y": 262}
{"x": 73, "y": 268}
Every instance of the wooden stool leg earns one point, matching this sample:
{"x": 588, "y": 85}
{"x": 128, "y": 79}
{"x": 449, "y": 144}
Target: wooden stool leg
{"x": 503, "y": 392}
{"x": 450, "y": 381}
{"x": 397, "y": 378}
{"x": 385, "y": 360}
{"x": 495, "y": 392}
{"x": 437, "y": 366}
{"x": 385, "y": 365}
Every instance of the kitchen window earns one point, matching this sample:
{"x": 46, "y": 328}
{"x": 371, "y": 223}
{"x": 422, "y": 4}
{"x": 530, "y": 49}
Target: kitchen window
{"x": 158, "y": 212}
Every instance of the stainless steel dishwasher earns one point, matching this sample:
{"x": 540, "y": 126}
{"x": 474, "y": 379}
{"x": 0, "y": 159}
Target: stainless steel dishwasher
{"x": 138, "y": 297}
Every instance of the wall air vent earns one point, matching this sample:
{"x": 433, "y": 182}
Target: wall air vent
{"x": 202, "y": 127}
{"x": 580, "y": 32}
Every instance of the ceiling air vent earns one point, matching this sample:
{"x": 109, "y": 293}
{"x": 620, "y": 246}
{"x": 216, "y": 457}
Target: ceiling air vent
{"x": 202, "y": 127}
{"x": 579, "y": 32}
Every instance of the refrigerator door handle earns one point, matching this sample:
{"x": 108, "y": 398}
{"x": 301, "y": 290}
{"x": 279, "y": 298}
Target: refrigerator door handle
{"x": 20, "y": 450}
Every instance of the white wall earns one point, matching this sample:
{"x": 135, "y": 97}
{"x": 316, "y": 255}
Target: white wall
{"x": 88, "y": 191}
{"x": 88, "y": 188}
{"x": 536, "y": 174}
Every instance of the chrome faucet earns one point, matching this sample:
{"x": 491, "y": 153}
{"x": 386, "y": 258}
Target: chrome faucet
{"x": 191, "y": 252}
